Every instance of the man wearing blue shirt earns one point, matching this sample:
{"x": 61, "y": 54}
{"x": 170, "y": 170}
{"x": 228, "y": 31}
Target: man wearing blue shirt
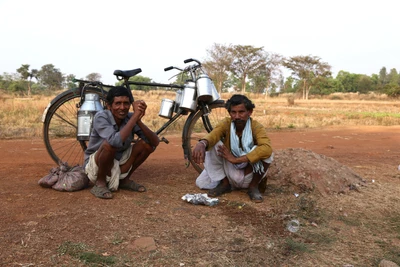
{"x": 111, "y": 157}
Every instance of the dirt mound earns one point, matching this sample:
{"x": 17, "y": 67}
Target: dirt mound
{"x": 301, "y": 170}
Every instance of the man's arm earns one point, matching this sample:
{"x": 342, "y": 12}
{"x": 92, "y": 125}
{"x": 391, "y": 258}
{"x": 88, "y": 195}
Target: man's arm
{"x": 150, "y": 135}
{"x": 206, "y": 143}
{"x": 264, "y": 148}
{"x": 139, "y": 108}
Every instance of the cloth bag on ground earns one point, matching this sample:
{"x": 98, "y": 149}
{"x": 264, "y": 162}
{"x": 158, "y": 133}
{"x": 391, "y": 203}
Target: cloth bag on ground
{"x": 65, "y": 178}
{"x": 51, "y": 179}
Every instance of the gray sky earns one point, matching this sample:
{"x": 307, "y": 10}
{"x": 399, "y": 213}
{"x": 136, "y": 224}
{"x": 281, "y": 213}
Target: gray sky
{"x": 84, "y": 36}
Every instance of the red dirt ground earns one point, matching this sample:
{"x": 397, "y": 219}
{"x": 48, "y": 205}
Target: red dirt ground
{"x": 35, "y": 222}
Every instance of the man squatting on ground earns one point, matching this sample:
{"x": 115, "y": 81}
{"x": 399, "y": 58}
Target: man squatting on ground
{"x": 238, "y": 153}
{"x": 111, "y": 157}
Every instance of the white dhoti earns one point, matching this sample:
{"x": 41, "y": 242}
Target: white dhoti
{"x": 92, "y": 169}
{"x": 217, "y": 168}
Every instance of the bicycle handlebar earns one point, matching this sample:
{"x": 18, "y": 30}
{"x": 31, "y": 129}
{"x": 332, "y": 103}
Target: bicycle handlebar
{"x": 191, "y": 60}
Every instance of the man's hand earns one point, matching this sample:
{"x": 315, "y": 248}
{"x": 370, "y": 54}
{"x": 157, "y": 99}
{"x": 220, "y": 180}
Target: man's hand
{"x": 140, "y": 107}
{"x": 224, "y": 152}
{"x": 199, "y": 153}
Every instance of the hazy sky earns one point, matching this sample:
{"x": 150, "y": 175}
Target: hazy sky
{"x": 85, "y": 36}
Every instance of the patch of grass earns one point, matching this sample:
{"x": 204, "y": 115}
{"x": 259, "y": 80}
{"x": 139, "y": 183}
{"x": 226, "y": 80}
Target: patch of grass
{"x": 295, "y": 247}
{"x": 117, "y": 239}
{"x": 291, "y": 126}
{"x": 93, "y": 258}
{"x": 369, "y": 114}
{"x": 274, "y": 189}
{"x": 72, "y": 249}
{"x": 238, "y": 241}
{"x": 389, "y": 252}
{"x": 321, "y": 237}
{"x": 307, "y": 209}
{"x": 349, "y": 221}
{"x": 81, "y": 252}
{"x": 395, "y": 224}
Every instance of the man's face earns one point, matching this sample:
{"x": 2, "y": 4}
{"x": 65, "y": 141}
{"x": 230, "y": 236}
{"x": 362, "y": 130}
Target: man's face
{"x": 239, "y": 115}
{"x": 120, "y": 108}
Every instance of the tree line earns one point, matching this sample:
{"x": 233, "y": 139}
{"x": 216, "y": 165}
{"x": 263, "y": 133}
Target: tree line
{"x": 239, "y": 68}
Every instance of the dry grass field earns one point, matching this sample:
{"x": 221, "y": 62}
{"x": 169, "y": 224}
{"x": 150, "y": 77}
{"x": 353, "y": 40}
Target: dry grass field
{"x": 325, "y": 141}
{"x": 21, "y": 117}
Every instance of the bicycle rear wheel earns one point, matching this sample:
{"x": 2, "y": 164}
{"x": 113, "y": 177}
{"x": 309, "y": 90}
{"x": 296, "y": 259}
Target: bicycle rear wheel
{"x": 198, "y": 126}
{"x": 60, "y": 127}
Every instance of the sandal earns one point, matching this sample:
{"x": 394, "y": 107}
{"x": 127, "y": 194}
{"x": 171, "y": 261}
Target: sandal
{"x": 101, "y": 192}
{"x": 132, "y": 186}
{"x": 255, "y": 195}
{"x": 219, "y": 190}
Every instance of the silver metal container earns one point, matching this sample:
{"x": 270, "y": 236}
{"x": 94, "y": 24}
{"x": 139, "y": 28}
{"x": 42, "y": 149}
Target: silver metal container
{"x": 167, "y": 106}
{"x": 178, "y": 98}
{"x": 205, "y": 88}
{"x": 215, "y": 95}
{"x": 86, "y": 114}
{"x": 189, "y": 100}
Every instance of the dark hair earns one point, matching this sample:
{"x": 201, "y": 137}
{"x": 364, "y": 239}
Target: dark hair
{"x": 237, "y": 100}
{"x": 118, "y": 91}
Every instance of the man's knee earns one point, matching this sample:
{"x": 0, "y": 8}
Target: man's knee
{"x": 142, "y": 146}
{"x": 105, "y": 153}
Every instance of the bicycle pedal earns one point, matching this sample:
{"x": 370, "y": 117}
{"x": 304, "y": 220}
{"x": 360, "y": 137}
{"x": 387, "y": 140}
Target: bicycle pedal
{"x": 165, "y": 140}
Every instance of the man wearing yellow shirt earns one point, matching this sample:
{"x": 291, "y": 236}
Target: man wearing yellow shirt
{"x": 236, "y": 153}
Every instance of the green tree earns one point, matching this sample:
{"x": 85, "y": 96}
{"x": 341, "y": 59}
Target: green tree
{"x": 247, "y": 60}
{"x": 393, "y": 77}
{"x": 308, "y": 69}
{"x": 346, "y": 82}
{"x": 266, "y": 79}
{"x": 94, "y": 77}
{"x": 181, "y": 78}
{"x": 382, "y": 77}
{"x": 258, "y": 82}
{"x": 139, "y": 79}
{"x": 365, "y": 84}
{"x": 218, "y": 63}
{"x": 51, "y": 77}
{"x": 324, "y": 86}
{"x": 25, "y": 74}
{"x": 69, "y": 81}
{"x": 288, "y": 85}
{"x": 8, "y": 81}
{"x": 392, "y": 90}
{"x": 232, "y": 83}
{"x": 281, "y": 83}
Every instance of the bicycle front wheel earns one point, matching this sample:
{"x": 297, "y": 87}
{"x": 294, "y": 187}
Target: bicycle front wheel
{"x": 199, "y": 125}
{"x": 60, "y": 127}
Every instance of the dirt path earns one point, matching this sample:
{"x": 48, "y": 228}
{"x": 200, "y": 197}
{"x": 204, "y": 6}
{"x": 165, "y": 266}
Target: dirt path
{"x": 35, "y": 222}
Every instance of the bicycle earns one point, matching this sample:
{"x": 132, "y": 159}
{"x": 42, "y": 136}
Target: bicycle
{"x": 196, "y": 99}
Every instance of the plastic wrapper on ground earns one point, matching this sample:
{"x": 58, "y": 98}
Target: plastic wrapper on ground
{"x": 200, "y": 199}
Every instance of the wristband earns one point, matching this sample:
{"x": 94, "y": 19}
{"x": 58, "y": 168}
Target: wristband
{"x": 204, "y": 143}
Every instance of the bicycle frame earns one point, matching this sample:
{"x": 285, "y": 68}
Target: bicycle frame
{"x": 60, "y": 116}
{"x": 200, "y": 106}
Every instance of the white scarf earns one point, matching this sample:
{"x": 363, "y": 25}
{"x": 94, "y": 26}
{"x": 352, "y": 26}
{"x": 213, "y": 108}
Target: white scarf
{"x": 247, "y": 144}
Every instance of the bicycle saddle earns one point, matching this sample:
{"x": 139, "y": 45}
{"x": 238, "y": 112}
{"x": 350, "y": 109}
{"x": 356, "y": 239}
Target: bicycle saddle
{"x": 127, "y": 73}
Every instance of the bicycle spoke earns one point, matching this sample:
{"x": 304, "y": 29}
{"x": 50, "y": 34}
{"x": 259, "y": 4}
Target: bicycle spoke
{"x": 66, "y": 121}
{"x": 60, "y": 129}
{"x": 199, "y": 127}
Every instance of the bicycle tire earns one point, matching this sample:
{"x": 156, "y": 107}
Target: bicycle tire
{"x": 60, "y": 127}
{"x": 195, "y": 129}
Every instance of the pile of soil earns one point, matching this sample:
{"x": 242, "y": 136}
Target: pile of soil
{"x": 300, "y": 170}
